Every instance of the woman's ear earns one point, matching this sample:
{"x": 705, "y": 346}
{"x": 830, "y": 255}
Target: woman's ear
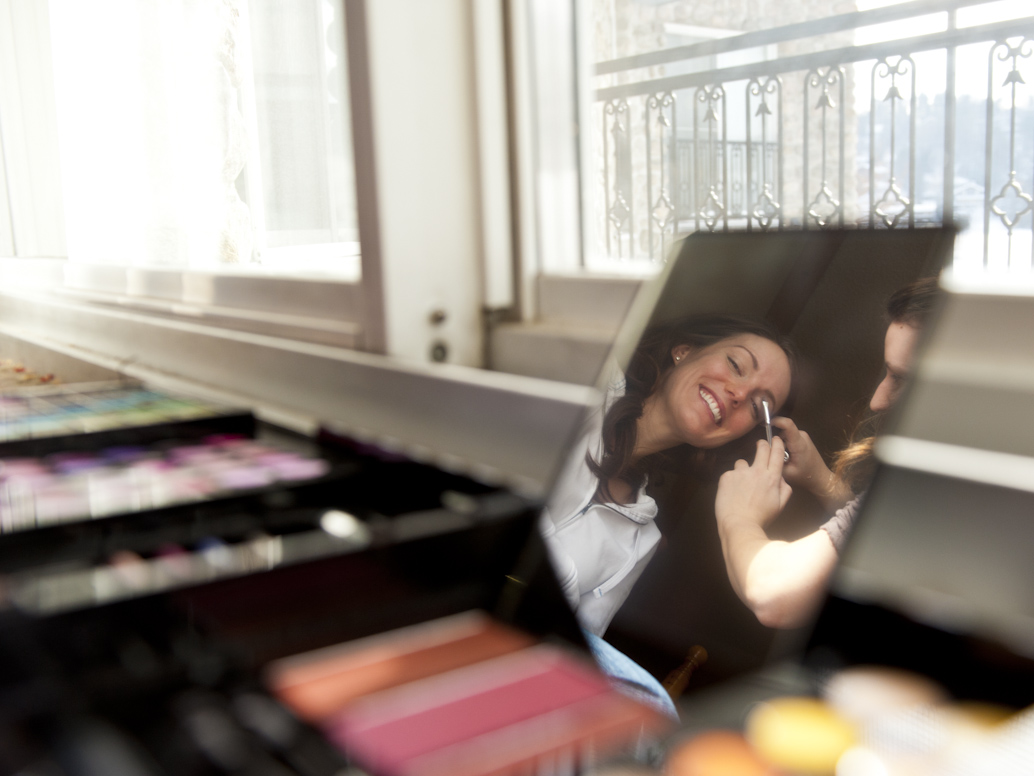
{"x": 679, "y": 353}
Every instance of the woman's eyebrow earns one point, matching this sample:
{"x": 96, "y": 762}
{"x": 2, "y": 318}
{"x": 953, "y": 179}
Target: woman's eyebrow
{"x": 750, "y": 353}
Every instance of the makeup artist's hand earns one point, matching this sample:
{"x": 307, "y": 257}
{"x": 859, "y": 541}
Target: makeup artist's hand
{"x": 806, "y": 469}
{"x": 753, "y": 493}
{"x": 781, "y": 582}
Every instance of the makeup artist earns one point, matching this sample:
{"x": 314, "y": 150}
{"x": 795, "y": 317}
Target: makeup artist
{"x": 783, "y": 582}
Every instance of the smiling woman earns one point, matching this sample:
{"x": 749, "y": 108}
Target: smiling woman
{"x": 714, "y": 394}
{"x": 693, "y": 385}
{"x": 680, "y": 373}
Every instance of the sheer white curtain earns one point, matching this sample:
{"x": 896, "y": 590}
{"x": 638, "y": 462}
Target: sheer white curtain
{"x": 297, "y": 101}
{"x": 204, "y": 133}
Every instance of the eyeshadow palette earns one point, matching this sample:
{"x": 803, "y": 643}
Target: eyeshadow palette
{"x": 126, "y": 574}
{"x": 45, "y": 419}
{"x": 79, "y": 485}
{"x": 82, "y": 528}
{"x": 158, "y": 552}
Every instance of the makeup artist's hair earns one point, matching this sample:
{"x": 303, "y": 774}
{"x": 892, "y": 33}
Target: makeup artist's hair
{"x": 647, "y": 369}
{"x": 910, "y": 305}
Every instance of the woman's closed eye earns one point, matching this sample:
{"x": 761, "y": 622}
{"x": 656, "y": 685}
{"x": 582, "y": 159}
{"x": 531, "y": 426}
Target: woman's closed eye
{"x": 739, "y": 373}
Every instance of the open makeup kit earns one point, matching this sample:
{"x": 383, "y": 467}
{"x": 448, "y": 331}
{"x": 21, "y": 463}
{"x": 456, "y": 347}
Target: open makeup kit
{"x": 176, "y": 578}
{"x": 197, "y": 682}
{"x": 186, "y": 590}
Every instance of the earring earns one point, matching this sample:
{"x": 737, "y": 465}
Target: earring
{"x": 677, "y": 359}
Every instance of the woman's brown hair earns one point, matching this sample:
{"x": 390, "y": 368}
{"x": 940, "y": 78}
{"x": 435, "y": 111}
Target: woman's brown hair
{"x": 649, "y": 366}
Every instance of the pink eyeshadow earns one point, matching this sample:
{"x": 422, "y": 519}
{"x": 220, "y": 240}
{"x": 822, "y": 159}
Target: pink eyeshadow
{"x": 387, "y": 731}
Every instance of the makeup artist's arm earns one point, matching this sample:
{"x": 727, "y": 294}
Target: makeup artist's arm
{"x": 781, "y": 582}
{"x": 807, "y": 470}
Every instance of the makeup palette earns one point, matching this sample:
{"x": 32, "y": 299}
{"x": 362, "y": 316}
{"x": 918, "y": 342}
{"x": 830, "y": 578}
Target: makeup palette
{"x": 463, "y": 696}
{"x": 73, "y": 486}
{"x": 349, "y": 630}
{"x": 319, "y": 684}
{"x": 85, "y": 416}
{"x": 126, "y": 574}
{"x": 510, "y": 715}
{"x": 86, "y": 528}
{"x": 252, "y": 588}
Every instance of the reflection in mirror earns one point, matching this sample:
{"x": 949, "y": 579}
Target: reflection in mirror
{"x": 675, "y": 523}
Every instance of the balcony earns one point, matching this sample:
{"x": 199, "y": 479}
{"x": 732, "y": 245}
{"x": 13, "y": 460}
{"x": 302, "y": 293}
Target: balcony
{"x": 886, "y": 118}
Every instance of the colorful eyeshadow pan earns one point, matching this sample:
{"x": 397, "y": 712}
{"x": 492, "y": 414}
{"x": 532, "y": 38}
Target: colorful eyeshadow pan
{"x": 318, "y": 684}
{"x": 500, "y": 716}
{"x": 66, "y": 487}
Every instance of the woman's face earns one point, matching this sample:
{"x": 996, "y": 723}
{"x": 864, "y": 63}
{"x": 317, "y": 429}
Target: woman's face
{"x": 713, "y": 394}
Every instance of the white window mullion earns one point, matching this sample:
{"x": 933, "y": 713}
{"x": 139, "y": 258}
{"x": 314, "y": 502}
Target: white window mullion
{"x": 423, "y": 138}
{"x": 526, "y": 160}
{"x": 494, "y": 148}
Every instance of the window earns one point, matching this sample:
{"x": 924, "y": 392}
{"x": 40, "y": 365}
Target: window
{"x": 148, "y": 285}
{"x": 205, "y": 135}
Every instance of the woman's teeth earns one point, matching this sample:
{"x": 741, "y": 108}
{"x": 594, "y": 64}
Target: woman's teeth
{"x": 716, "y": 411}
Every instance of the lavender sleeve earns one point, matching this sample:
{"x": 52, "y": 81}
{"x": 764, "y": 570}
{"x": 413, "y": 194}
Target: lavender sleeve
{"x": 839, "y": 526}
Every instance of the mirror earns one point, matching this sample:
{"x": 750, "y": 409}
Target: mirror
{"x": 827, "y": 293}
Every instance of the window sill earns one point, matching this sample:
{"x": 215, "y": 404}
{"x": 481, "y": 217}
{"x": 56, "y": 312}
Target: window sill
{"x": 325, "y": 310}
{"x": 580, "y": 315}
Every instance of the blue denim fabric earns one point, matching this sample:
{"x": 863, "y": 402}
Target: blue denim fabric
{"x": 629, "y": 677}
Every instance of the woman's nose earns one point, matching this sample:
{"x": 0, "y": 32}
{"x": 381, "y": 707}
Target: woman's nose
{"x": 737, "y": 392}
{"x": 883, "y": 397}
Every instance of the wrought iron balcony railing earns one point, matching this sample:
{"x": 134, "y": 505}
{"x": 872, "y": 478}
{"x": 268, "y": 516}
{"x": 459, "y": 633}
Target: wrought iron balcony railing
{"x": 790, "y": 140}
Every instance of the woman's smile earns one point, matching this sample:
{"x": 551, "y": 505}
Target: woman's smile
{"x": 714, "y": 404}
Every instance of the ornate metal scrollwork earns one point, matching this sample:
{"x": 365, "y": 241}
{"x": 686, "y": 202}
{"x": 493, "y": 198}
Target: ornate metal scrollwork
{"x": 662, "y": 211}
{"x": 714, "y": 209}
{"x": 893, "y": 203}
{"x": 765, "y": 208}
{"x": 619, "y": 210}
{"x": 825, "y": 206}
{"x": 1012, "y": 202}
